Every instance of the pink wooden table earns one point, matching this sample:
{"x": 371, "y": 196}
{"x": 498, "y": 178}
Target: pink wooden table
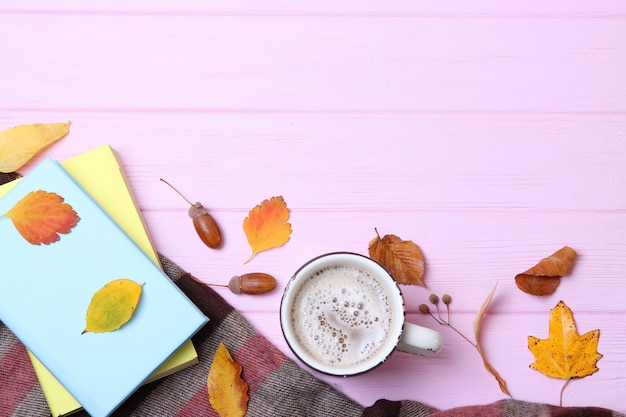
{"x": 490, "y": 133}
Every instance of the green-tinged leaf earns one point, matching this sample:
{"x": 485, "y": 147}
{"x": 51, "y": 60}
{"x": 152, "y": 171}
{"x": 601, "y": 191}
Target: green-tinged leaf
{"x": 112, "y": 306}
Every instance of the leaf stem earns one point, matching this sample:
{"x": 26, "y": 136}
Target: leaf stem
{"x": 447, "y": 323}
{"x": 462, "y": 335}
{"x": 563, "y": 389}
{"x": 443, "y": 323}
{"x": 178, "y": 192}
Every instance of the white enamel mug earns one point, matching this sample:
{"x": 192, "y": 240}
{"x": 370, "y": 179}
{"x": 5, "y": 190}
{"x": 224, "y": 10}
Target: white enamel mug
{"x": 343, "y": 314}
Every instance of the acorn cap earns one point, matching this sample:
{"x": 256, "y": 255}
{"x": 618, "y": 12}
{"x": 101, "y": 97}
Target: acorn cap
{"x": 235, "y": 284}
{"x": 197, "y": 210}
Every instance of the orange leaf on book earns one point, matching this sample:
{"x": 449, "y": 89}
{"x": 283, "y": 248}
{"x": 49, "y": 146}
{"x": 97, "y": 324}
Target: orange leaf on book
{"x": 40, "y": 216}
{"x": 266, "y": 226}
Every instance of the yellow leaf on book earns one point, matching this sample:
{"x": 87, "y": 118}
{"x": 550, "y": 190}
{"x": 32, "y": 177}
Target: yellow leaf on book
{"x": 20, "y": 143}
{"x": 112, "y": 306}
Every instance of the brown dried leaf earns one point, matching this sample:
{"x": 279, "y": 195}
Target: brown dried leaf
{"x": 228, "y": 393}
{"x": 477, "y": 327}
{"x": 536, "y": 285}
{"x": 402, "y": 258}
{"x": 544, "y": 278}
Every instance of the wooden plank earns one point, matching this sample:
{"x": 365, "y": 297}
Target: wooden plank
{"x": 316, "y": 64}
{"x": 464, "y": 8}
{"x": 466, "y": 253}
{"x": 356, "y": 162}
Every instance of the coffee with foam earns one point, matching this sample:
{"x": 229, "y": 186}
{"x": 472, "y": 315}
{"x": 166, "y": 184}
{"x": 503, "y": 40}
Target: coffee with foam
{"x": 341, "y": 315}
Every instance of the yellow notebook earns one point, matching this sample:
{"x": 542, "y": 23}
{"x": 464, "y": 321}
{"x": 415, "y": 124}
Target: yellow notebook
{"x": 100, "y": 174}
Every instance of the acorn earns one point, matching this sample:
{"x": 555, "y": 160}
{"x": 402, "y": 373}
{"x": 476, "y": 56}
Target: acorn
{"x": 254, "y": 283}
{"x": 205, "y": 225}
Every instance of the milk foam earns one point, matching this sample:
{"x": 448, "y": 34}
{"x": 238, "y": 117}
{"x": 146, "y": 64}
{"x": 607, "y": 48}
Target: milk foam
{"x": 341, "y": 315}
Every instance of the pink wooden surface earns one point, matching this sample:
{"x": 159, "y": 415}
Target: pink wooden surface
{"x": 490, "y": 133}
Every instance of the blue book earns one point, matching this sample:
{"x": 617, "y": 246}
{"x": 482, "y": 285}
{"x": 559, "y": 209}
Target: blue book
{"x": 45, "y": 290}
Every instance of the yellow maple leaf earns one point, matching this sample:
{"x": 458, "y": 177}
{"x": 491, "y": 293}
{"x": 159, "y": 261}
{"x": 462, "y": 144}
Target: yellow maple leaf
{"x": 266, "y": 226}
{"x": 565, "y": 354}
{"x": 228, "y": 393}
{"x": 40, "y": 216}
{"x": 20, "y": 143}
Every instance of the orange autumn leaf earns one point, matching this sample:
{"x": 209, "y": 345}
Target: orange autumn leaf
{"x": 40, "y": 216}
{"x": 402, "y": 258}
{"x": 565, "y": 354}
{"x": 544, "y": 278}
{"x": 266, "y": 226}
{"x": 228, "y": 393}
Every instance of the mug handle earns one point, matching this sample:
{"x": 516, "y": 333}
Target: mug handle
{"x": 419, "y": 340}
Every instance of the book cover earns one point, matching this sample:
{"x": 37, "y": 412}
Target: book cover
{"x": 45, "y": 291}
{"x": 100, "y": 173}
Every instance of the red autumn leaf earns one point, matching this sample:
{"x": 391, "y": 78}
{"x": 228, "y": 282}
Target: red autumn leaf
{"x": 40, "y": 216}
